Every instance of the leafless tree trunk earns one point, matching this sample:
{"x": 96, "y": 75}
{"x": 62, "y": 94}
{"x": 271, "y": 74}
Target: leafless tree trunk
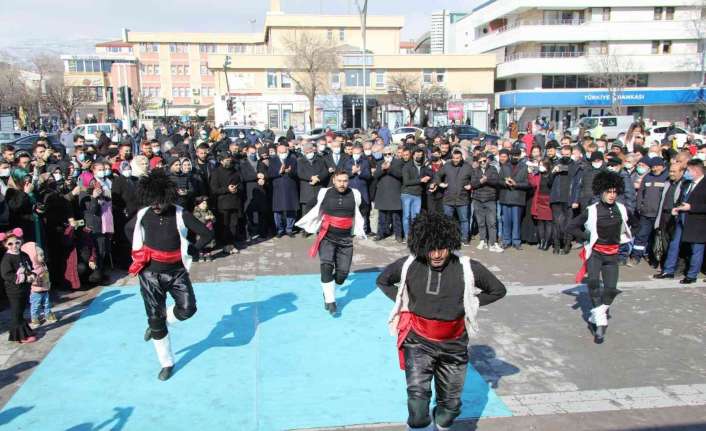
{"x": 65, "y": 99}
{"x": 405, "y": 90}
{"x": 139, "y": 104}
{"x": 48, "y": 66}
{"x": 310, "y": 62}
{"x": 614, "y": 72}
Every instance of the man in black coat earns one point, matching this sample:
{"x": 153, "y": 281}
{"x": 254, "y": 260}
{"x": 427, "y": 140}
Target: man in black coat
{"x": 282, "y": 173}
{"x": 225, "y": 187}
{"x": 252, "y": 173}
{"x": 561, "y": 179}
{"x": 388, "y": 176}
{"x": 693, "y": 211}
{"x": 312, "y": 173}
{"x": 484, "y": 195}
{"x": 455, "y": 179}
{"x": 514, "y": 185}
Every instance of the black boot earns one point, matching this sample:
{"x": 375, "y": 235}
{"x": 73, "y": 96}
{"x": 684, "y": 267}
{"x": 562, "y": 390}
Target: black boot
{"x": 148, "y": 334}
{"x": 599, "y": 334}
{"x": 165, "y": 373}
{"x": 332, "y": 309}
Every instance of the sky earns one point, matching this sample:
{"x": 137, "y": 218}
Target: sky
{"x": 62, "y": 24}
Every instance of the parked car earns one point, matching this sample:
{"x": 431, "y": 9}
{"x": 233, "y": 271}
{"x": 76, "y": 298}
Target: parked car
{"x": 347, "y": 133}
{"x": 658, "y": 133}
{"x": 90, "y": 130}
{"x": 26, "y": 142}
{"x": 612, "y": 125}
{"x": 315, "y": 134}
{"x": 399, "y": 134}
{"x": 234, "y": 132}
{"x": 7, "y": 137}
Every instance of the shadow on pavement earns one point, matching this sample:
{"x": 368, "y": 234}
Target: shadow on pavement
{"x": 9, "y": 415}
{"x": 11, "y": 375}
{"x": 116, "y": 422}
{"x": 240, "y": 326}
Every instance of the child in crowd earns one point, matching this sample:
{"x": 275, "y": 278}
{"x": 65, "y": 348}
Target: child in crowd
{"x": 39, "y": 298}
{"x": 205, "y": 216}
{"x": 16, "y": 271}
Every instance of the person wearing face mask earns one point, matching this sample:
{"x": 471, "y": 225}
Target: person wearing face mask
{"x": 282, "y": 175}
{"x": 670, "y": 225}
{"x": 125, "y": 206}
{"x": 359, "y": 174}
{"x": 226, "y": 187}
{"x": 582, "y": 189}
{"x": 334, "y": 160}
{"x": 253, "y": 172}
{"x": 312, "y": 174}
{"x": 561, "y": 178}
{"x": 514, "y": 184}
{"x": 388, "y": 175}
{"x": 484, "y": 196}
{"x": 95, "y": 203}
{"x": 415, "y": 178}
{"x": 454, "y": 179}
{"x": 541, "y": 209}
{"x": 648, "y": 198}
{"x": 435, "y": 199}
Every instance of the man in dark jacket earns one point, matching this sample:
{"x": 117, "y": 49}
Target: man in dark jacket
{"x": 693, "y": 211}
{"x": 282, "y": 174}
{"x": 484, "y": 196}
{"x": 455, "y": 179}
{"x": 312, "y": 173}
{"x": 514, "y": 185}
{"x": 226, "y": 187}
{"x": 670, "y": 225}
{"x": 358, "y": 170}
{"x": 561, "y": 179}
{"x": 648, "y": 198}
{"x": 252, "y": 175}
{"x": 387, "y": 195}
{"x": 582, "y": 188}
{"x": 415, "y": 177}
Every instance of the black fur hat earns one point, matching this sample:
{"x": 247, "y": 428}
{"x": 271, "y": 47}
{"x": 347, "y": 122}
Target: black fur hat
{"x": 433, "y": 231}
{"x": 606, "y": 180}
{"x": 156, "y": 188}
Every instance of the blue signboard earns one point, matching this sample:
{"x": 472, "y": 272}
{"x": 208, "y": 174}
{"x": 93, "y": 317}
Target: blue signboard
{"x": 631, "y": 97}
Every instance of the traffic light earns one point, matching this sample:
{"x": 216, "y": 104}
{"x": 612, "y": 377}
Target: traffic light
{"x": 129, "y": 95}
{"x": 121, "y": 96}
{"x": 229, "y": 105}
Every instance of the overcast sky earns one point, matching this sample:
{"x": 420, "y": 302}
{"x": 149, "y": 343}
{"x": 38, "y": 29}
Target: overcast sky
{"x": 58, "y": 22}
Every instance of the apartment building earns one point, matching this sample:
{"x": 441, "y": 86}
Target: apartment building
{"x": 551, "y": 54}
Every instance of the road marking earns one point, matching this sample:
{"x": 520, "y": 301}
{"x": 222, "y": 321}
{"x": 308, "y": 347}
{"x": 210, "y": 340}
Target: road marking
{"x": 644, "y": 397}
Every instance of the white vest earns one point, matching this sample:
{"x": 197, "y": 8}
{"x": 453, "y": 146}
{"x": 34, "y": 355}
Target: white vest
{"x": 311, "y": 221}
{"x": 470, "y": 300}
{"x": 138, "y": 234}
{"x": 592, "y": 222}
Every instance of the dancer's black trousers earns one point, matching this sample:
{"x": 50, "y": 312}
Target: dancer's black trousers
{"x": 446, "y": 363}
{"x": 154, "y": 287}
{"x": 335, "y": 255}
{"x": 602, "y": 267}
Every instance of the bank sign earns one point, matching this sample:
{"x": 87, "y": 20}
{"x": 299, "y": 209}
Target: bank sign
{"x": 632, "y": 97}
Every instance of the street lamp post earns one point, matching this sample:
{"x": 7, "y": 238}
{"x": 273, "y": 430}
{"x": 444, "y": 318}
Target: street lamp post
{"x": 363, "y": 11}
{"x": 229, "y": 104}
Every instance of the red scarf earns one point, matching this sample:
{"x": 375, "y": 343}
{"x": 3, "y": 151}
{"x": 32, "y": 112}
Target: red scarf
{"x": 143, "y": 256}
{"x": 434, "y": 330}
{"x": 328, "y": 220}
{"x": 607, "y": 249}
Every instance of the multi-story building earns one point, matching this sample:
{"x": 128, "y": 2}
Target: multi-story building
{"x": 564, "y": 60}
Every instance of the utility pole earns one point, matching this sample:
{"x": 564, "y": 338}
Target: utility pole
{"x": 363, "y": 11}
{"x": 229, "y": 104}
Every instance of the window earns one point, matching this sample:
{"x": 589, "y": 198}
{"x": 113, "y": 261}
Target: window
{"x": 426, "y": 76}
{"x": 582, "y": 81}
{"x": 604, "y": 48}
{"x": 335, "y": 80}
{"x": 606, "y": 14}
{"x": 658, "y": 13}
{"x": 329, "y": 34}
{"x": 177, "y": 47}
{"x": 354, "y": 77}
{"x": 285, "y": 80}
{"x": 207, "y": 47}
{"x": 236, "y": 49}
{"x": 571, "y": 81}
{"x": 174, "y": 70}
{"x": 559, "y": 81}
{"x": 440, "y": 76}
{"x": 655, "y": 47}
{"x": 342, "y": 34}
{"x": 666, "y": 47}
{"x": 272, "y": 79}
{"x": 670, "y": 14}
{"x": 149, "y": 47}
{"x": 379, "y": 79}
{"x": 155, "y": 69}
{"x": 205, "y": 71}
{"x": 208, "y": 91}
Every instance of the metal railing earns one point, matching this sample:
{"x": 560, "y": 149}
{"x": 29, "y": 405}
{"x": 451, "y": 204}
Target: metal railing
{"x": 522, "y": 23}
{"x": 521, "y": 55}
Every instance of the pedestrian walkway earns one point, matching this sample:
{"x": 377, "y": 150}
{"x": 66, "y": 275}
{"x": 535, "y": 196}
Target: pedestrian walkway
{"x": 260, "y": 354}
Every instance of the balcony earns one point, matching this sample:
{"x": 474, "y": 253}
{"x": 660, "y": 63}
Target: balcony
{"x": 522, "y": 23}
{"x": 534, "y": 63}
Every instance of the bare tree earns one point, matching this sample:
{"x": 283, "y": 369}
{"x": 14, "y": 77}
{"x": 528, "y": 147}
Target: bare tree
{"x": 140, "y": 103}
{"x": 615, "y": 73}
{"x": 48, "y": 66}
{"x": 12, "y": 88}
{"x": 405, "y": 90}
{"x": 697, "y": 25}
{"x": 65, "y": 99}
{"x": 310, "y": 62}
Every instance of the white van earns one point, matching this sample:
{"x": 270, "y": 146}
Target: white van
{"x": 89, "y": 131}
{"x": 612, "y": 125}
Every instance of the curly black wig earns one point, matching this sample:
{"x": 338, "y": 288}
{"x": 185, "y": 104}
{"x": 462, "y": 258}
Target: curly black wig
{"x": 606, "y": 180}
{"x": 156, "y": 188}
{"x": 433, "y": 231}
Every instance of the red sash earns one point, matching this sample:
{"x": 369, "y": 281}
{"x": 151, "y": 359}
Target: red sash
{"x": 328, "y": 220}
{"x": 434, "y": 330}
{"x": 607, "y": 249}
{"x": 143, "y": 256}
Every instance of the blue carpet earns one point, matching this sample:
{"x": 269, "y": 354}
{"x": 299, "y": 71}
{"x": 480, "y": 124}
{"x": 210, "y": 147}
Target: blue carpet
{"x": 258, "y": 355}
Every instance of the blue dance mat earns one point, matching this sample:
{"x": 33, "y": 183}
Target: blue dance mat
{"x": 258, "y": 355}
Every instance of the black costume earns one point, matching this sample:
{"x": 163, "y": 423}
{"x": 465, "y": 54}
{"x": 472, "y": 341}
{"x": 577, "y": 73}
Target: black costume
{"x": 434, "y": 311}
{"x": 17, "y": 293}
{"x": 161, "y": 259}
{"x": 606, "y": 228}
